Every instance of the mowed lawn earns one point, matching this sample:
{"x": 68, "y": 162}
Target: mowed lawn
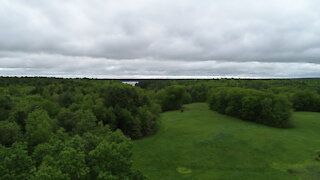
{"x": 202, "y": 144}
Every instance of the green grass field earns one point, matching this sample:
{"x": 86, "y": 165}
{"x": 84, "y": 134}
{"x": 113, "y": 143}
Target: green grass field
{"x": 202, "y": 144}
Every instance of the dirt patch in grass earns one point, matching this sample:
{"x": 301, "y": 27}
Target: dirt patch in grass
{"x": 183, "y": 170}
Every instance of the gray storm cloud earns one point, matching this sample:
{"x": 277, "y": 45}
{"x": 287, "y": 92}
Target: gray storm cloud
{"x": 247, "y": 38}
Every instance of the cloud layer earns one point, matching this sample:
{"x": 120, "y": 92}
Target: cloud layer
{"x": 142, "y": 38}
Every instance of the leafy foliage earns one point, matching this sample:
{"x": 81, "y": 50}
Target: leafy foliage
{"x": 252, "y": 105}
{"x": 172, "y": 97}
{"x": 306, "y": 101}
{"x": 9, "y": 133}
{"x": 15, "y": 162}
{"x": 39, "y": 127}
{"x": 86, "y": 121}
{"x": 6, "y": 105}
{"x": 59, "y": 128}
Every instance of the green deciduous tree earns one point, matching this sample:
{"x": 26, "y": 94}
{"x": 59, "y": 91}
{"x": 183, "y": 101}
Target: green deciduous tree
{"x": 39, "y": 127}
{"x": 6, "y": 105}
{"x": 72, "y": 162}
{"x": 15, "y": 163}
{"x": 9, "y": 132}
{"x": 252, "y": 105}
{"x": 129, "y": 124}
{"x": 86, "y": 121}
{"x": 172, "y": 97}
{"x": 306, "y": 101}
{"x": 49, "y": 172}
{"x": 67, "y": 119}
{"x": 111, "y": 159}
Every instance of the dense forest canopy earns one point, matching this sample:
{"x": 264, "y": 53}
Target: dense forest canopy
{"x": 71, "y": 128}
{"x": 53, "y": 128}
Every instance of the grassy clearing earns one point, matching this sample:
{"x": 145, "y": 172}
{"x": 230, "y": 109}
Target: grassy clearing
{"x": 202, "y": 144}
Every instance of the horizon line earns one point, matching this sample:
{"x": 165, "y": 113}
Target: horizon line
{"x": 143, "y": 77}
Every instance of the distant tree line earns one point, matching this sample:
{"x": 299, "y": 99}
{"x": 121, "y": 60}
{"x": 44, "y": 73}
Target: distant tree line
{"x": 304, "y": 94}
{"x": 263, "y": 101}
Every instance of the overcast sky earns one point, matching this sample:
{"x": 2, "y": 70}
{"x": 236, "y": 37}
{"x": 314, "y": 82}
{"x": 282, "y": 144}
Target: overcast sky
{"x": 160, "y": 38}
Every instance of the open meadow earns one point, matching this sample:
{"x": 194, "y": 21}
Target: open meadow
{"x": 202, "y": 144}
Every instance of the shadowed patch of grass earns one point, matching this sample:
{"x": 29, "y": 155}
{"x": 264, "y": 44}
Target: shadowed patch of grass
{"x": 202, "y": 144}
